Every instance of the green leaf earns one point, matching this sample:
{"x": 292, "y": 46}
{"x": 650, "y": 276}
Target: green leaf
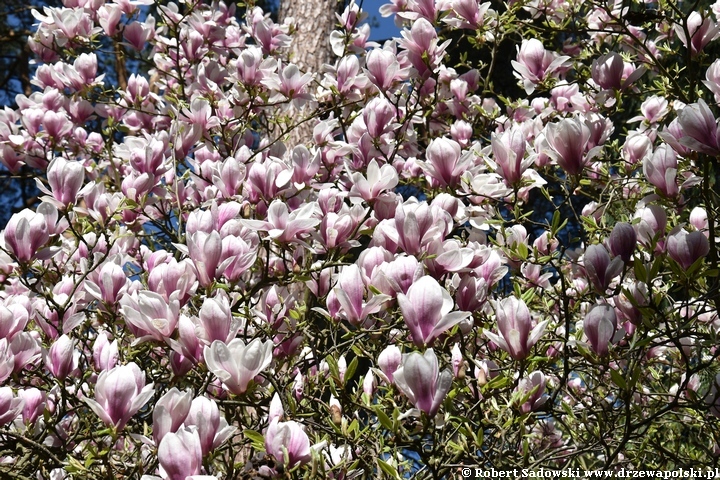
{"x": 384, "y": 419}
{"x": 350, "y": 371}
{"x": 333, "y": 366}
{"x": 388, "y": 469}
{"x": 618, "y": 379}
{"x": 498, "y": 382}
{"x": 258, "y": 441}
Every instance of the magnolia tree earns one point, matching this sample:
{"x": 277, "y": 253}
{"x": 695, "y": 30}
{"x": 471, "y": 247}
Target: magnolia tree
{"x": 195, "y": 297}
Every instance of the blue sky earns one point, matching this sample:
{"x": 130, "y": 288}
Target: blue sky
{"x": 386, "y": 28}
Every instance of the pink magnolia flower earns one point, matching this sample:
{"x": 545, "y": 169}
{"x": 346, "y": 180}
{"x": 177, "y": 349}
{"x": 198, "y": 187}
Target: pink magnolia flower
{"x": 283, "y": 226}
{"x": 138, "y": 33}
{"x": 65, "y": 178}
{"x": 237, "y": 364}
{"x": 509, "y": 154}
{"x": 532, "y": 387}
{"x": 62, "y": 358}
{"x": 653, "y": 109}
{"x": 378, "y": 116}
{"x": 686, "y": 248}
{"x": 105, "y": 354}
{"x": 25, "y": 233}
{"x": 418, "y": 224}
{"x": 10, "y": 405}
{"x": 420, "y": 379}
{"x": 7, "y": 359}
{"x": 712, "y": 79}
{"x": 170, "y": 413}
{"x": 216, "y": 321}
{"x": 205, "y": 250}
{"x": 35, "y": 401}
{"x": 702, "y": 31}
{"x": 698, "y": 219}
{"x": 382, "y": 68}
{"x": 389, "y": 360}
{"x": 13, "y": 319}
{"x": 444, "y": 162}
{"x": 653, "y": 221}
{"x": 151, "y": 315}
{"x": 468, "y": 14}
{"x": 600, "y": 269}
{"x": 119, "y": 394}
{"x": 288, "y": 443}
{"x": 599, "y": 327}
{"x": 212, "y": 428}
{"x": 180, "y": 454}
{"x": 350, "y": 293}
{"x": 660, "y": 169}
{"x": 623, "y": 241}
{"x": 178, "y": 277}
{"x": 637, "y": 146}
{"x": 568, "y": 140}
{"x": 516, "y": 335}
{"x": 701, "y": 131}
{"x": 421, "y": 46}
{"x": 396, "y": 276}
{"x": 534, "y": 64}
{"x": 609, "y": 72}
{"x": 290, "y": 83}
{"x": 426, "y": 310}
{"x": 112, "y": 283}
{"x": 377, "y": 180}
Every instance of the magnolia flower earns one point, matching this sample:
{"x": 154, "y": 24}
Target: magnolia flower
{"x": 702, "y": 31}
{"x": 216, "y": 321}
{"x": 421, "y": 381}
{"x": 170, "y": 412}
{"x": 686, "y": 248}
{"x": 660, "y": 169}
{"x": 444, "y": 162}
{"x": 377, "y": 180}
{"x": 65, "y": 178}
{"x": 153, "y": 316}
{"x": 25, "y": 233}
{"x": 180, "y": 455}
{"x": 212, "y": 428}
{"x": 105, "y": 354}
{"x": 568, "y": 140}
{"x": 600, "y": 269}
{"x": 427, "y": 312}
{"x": 599, "y": 326}
{"x": 389, "y": 360}
{"x": 534, "y": 385}
{"x": 62, "y": 359}
{"x": 119, "y": 394}
{"x": 350, "y": 293}
{"x": 608, "y": 72}
{"x": 534, "y": 64}
{"x": 509, "y": 154}
{"x": 283, "y": 226}
{"x": 622, "y": 241}
{"x": 287, "y": 442}
{"x": 10, "y": 406}
{"x": 702, "y": 133}
{"x": 514, "y": 324}
{"x": 236, "y": 364}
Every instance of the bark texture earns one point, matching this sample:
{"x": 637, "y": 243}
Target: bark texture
{"x": 314, "y": 20}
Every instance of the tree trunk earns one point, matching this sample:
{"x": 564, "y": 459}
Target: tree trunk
{"x": 314, "y": 20}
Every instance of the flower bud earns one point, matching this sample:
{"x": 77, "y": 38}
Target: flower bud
{"x": 622, "y": 241}
{"x": 599, "y": 326}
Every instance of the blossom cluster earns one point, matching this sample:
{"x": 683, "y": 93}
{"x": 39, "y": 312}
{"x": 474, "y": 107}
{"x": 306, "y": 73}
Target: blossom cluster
{"x": 195, "y": 297}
